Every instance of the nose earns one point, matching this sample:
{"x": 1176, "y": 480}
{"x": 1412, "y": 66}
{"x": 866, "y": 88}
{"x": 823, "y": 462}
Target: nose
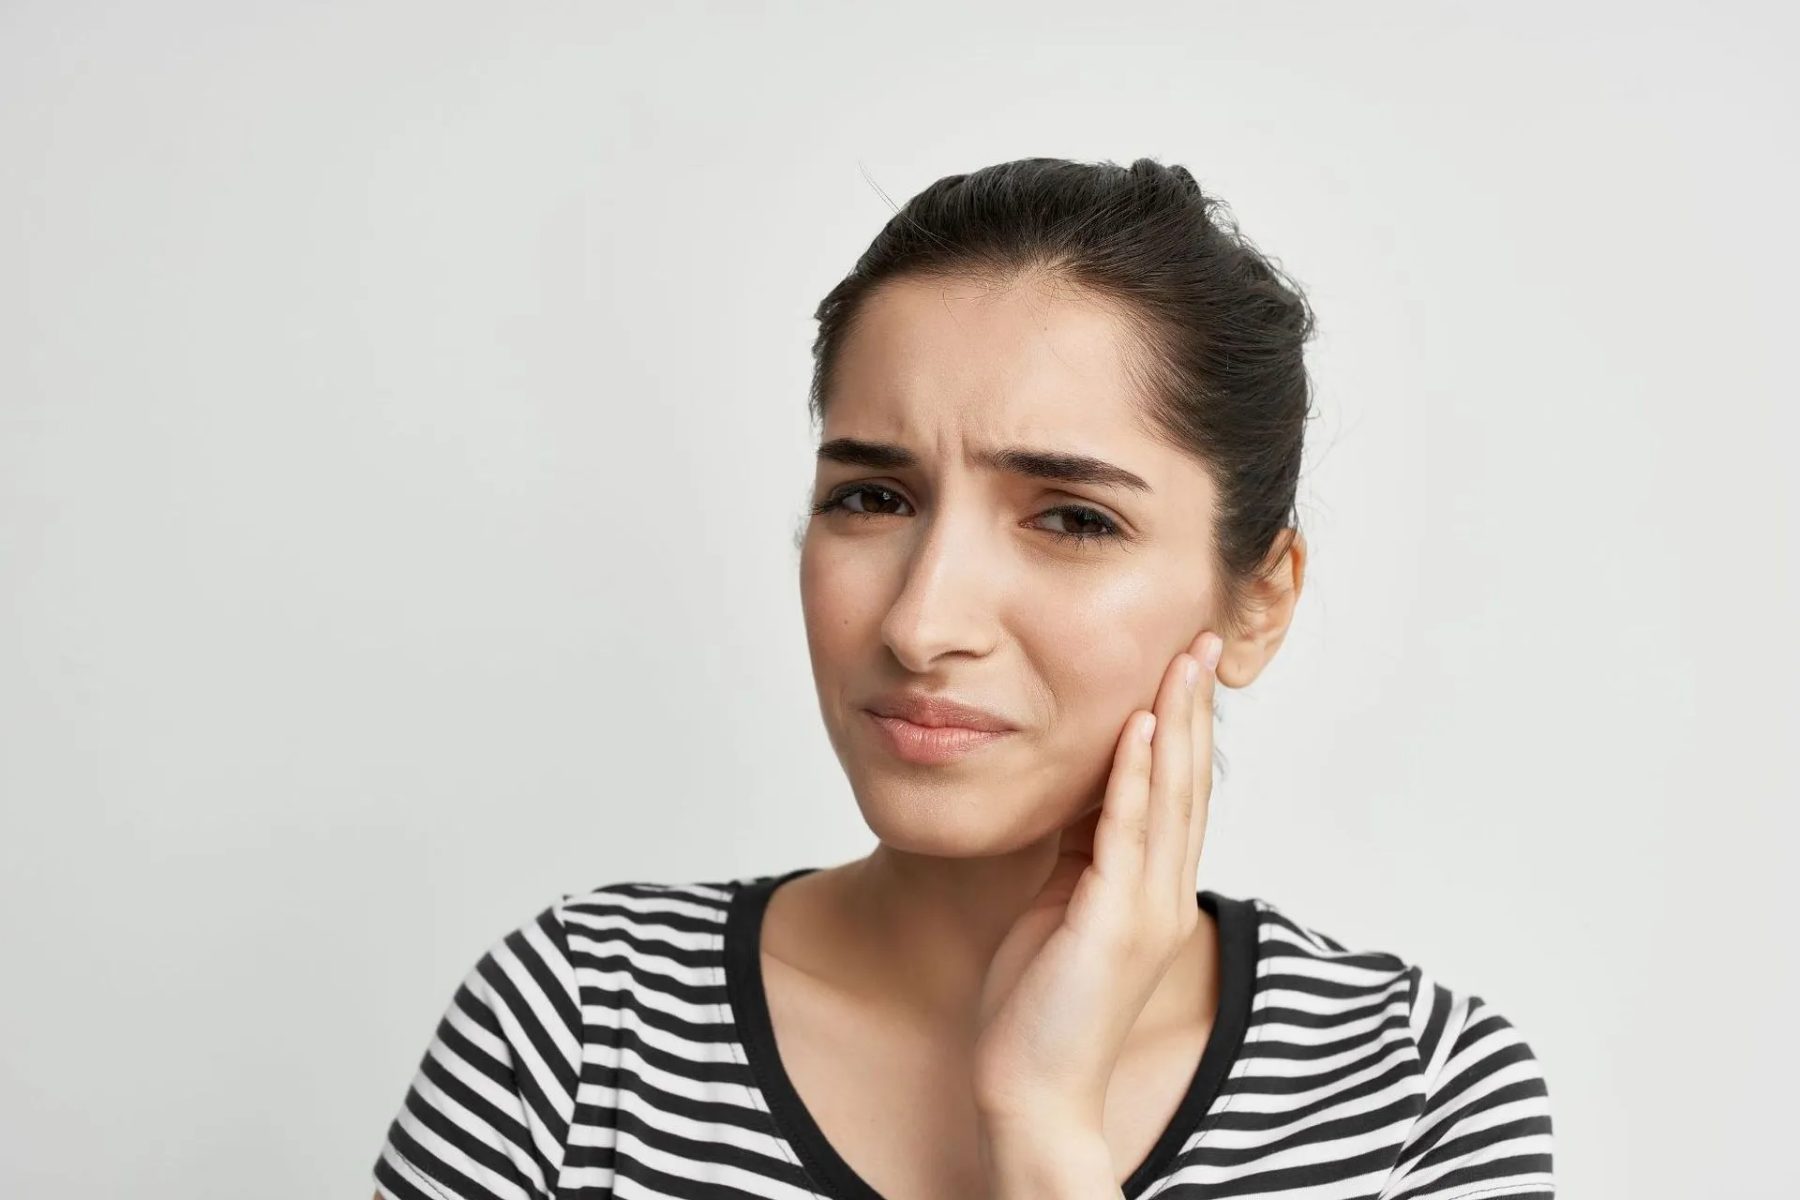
{"x": 948, "y": 596}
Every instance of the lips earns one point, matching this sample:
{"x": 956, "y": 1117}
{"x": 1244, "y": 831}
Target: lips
{"x": 938, "y": 712}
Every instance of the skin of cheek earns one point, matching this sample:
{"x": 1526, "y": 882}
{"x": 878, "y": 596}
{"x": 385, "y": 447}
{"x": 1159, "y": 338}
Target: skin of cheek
{"x": 1091, "y": 640}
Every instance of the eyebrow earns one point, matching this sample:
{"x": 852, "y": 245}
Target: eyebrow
{"x": 1015, "y": 460}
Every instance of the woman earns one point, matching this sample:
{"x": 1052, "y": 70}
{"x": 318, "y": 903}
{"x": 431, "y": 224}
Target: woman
{"x": 1062, "y": 414}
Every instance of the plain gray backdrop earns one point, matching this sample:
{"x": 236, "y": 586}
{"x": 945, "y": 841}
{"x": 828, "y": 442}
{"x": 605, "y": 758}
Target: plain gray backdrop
{"x": 403, "y": 434}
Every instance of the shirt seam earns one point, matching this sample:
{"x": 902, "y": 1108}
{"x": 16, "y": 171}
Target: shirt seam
{"x": 581, "y": 1035}
{"x": 422, "y": 1174}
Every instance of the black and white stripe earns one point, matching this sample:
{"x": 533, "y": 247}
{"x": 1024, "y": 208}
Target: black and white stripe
{"x": 605, "y": 1049}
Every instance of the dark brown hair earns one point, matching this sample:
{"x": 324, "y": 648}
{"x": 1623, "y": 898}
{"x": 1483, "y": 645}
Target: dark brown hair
{"x": 1219, "y": 328}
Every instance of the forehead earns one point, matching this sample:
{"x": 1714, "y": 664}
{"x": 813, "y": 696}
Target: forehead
{"x": 949, "y": 360}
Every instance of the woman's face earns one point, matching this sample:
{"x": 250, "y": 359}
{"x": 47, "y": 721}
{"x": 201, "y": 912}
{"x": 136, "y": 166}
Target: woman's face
{"x": 938, "y": 571}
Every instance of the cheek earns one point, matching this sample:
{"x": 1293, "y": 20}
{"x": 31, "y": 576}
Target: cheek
{"x": 838, "y": 602}
{"x": 1102, "y": 648}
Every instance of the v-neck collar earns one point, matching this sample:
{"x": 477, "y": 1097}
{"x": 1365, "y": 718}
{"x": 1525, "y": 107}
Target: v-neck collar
{"x": 750, "y": 1005}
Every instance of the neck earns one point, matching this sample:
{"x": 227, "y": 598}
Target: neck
{"x": 919, "y": 932}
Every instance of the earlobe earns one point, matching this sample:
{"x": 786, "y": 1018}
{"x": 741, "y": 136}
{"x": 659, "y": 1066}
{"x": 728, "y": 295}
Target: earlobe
{"x": 1230, "y": 671}
{"x": 1276, "y": 596}
{"x": 1271, "y": 602}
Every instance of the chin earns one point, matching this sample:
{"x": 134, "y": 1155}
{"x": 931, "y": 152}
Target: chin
{"x": 965, "y": 819}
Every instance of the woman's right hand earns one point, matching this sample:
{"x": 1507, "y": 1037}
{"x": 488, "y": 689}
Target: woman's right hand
{"x": 1074, "y": 973}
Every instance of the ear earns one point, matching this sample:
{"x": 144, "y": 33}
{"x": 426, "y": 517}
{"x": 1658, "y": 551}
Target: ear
{"x": 1268, "y": 615}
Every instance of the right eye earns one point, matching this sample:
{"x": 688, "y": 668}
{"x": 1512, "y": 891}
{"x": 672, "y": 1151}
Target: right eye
{"x": 872, "y": 493}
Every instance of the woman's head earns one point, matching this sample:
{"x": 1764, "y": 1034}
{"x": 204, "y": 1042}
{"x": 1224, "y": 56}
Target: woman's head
{"x": 1062, "y": 415}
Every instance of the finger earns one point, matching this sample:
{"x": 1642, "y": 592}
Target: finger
{"x": 1171, "y": 781}
{"x": 1120, "y": 832}
{"x": 1074, "y": 854}
{"x": 1205, "y": 699}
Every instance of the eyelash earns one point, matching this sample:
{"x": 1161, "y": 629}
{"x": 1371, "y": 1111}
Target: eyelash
{"x": 832, "y": 502}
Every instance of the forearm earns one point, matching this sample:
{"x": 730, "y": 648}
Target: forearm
{"x": 1040, "y": 1163}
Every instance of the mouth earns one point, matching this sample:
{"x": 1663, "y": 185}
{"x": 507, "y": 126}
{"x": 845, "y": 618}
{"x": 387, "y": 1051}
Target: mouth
{"x": 931, "y": 745}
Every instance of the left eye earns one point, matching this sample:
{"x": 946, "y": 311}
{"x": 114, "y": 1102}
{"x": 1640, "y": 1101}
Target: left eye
{"x": 1082, "y": 515}
{"x": 1093, "y": 525}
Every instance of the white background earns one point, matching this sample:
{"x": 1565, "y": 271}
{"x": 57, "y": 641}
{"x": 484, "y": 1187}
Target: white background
{"x": 403, "y": 433}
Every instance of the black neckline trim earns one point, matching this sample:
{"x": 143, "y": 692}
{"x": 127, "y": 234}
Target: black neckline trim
{"x": 1238, "y": 946}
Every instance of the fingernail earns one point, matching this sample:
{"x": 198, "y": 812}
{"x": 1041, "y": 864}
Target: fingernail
{"x": 1147, "y": 726}
{"x": 1214, "y": 647}
{"x": 1190, "y": 671}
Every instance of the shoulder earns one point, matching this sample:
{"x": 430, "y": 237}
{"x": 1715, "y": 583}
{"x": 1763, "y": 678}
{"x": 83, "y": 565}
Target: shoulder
{"x": 621, "y": 925}
{"x": 537, "y": 967}
{"x": 634, "y": 906}
{"x": 505, "y": 1079}
{"x": 640, "y": 935}
{"x": 1314, "y": 970}
{"x": 1441, "y": 1061}
{"x": 1302, "y": 968}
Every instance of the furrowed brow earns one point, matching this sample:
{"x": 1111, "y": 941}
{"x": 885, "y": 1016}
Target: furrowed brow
{"x": 879, "y": 456}
{"x": 1060, "y": 467}
{"x": 1052, "y": 465}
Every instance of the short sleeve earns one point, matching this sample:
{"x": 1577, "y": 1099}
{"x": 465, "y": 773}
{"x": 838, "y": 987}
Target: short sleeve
{"x": 1485, "y": 1130}
{"x": 487, "y": 1114}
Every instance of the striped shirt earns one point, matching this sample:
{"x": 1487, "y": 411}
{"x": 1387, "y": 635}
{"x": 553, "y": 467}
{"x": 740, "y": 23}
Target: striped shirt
{"x": 620, "y": 1044}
